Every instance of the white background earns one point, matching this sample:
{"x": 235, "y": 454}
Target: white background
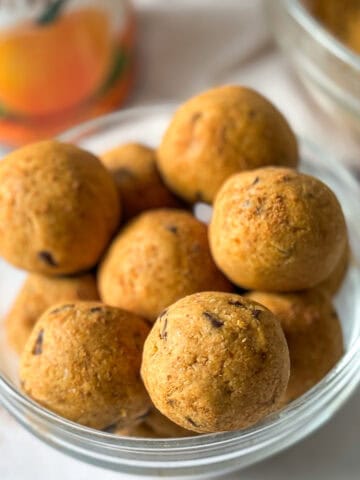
{"x": 184, "y": 47}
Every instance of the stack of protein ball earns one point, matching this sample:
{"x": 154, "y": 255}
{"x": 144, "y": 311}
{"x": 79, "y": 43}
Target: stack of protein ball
{"x": 174, "y": 349}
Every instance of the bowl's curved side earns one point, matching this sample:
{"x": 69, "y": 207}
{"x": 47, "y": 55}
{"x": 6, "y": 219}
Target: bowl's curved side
{"x": 329, "y": 69}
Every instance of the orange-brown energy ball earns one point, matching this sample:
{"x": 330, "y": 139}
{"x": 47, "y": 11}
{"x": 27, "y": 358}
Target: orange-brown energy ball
{"x": 37, "y": 294}
{"x": 82, "y": 361}
{"x": 221, "y": 132}
{"x": 59, "y": 207}
{"x": 134, "y": 168}
{"x": 313, "y": 333}
{"x": 161, "y": 256}
{"x": 276, "y": 229}
{"x": 215, "y": 362}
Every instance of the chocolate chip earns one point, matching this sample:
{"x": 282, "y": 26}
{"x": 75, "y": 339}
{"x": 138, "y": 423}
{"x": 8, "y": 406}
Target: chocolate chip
{"x": 61, "y": 308}
{"x": 170, "y": 402}
{"x": 124, "y": 173}
{"x": 199, "y": 197}
{"x": 256, "y": 313}
{"x": 163, "y": 333}
{"x": 236, "y": 303}
{"x": 191, "y": 421}
{"x": 144, "y": 415}
{"x": 172, "y": 228}
{"x": 111, "y": 428}
{"x": 263, "y": 356}
{"x": 196, "y": 116}
{"x": 257, "y": 180}
{"x": 228, "y": 390}
{"x": 37, "y": 350}
{"x": 47, "y": 258}
{"x": 214, "y": 319}
{"x": 95, "y": 309}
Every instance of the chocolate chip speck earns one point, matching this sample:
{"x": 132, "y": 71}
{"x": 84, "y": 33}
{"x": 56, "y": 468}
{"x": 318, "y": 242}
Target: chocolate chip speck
{"x": 191, "y": 421}
{"x": 256, "y": 313}
{"x": 47, "y": 258}
{"x": 199, "y": 197}
{"x": 111, "y": 428}
{"x": 263, "y": 356}
{"x": 256, "y": 180}
{"x": 124, "y": 173}
{"x": 236, "y": 303}
{"x": 163, "y": 333}
{"x": 172, "y": 228}
{"x": 37, "y": 350}
{"x": 144, "y": 415}
{"x": 214, "y": 319}
{"x": 196, "y": 116}
{"x": 95, "y": 309}
{"x": 62, "y": 307}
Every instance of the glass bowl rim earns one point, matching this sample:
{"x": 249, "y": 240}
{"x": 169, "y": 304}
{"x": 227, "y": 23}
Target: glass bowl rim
{"x": 320, "y": 34}
{"x": 294, "y": 411}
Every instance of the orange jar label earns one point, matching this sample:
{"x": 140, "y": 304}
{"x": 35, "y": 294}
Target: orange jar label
{"x": 61, "y": 62}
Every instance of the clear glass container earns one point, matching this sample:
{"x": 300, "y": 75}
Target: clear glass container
{"x": 327, "y": 67}
{"x": 204, "y": 455}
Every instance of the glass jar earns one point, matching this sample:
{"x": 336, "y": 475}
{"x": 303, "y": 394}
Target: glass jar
{"x": 61, "y": 62}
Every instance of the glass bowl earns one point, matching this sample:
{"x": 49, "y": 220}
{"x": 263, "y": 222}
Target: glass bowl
{"x": 204, "y": 455}
{"x": 329, "y": 69}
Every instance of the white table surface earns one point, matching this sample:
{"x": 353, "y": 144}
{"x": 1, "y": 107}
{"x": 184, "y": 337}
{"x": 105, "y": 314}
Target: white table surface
{"x": 184, "y": 47}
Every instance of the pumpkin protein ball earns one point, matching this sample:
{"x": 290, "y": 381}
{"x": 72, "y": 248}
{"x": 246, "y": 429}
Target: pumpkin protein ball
{"x": 215, "y": 362}
{"x": 220, "y": 132}
{"x": 154, "y": 425}
{"x": 82, "y": 361}
{"x": 313, "y": 334}
{"x": 40, "y": 292}
{"x": 134, "y": 169}
{"x": 59, "y": 207}
{"x": 276, "y": 229}
{"x": 161, "y": 256}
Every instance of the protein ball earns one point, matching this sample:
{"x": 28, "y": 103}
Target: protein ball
{"x": 37, "y": 294}
{"x": 275, "y": 229}
{"x": 134, "y": 169}
{"x": 215, "y": 362}
{"x": 161, "y": 256}
{"x": 82, "y": 361}
{"x": 221, "y": 132}
{"x": 59, "y": 207}
{"x": 313, "y": 334}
